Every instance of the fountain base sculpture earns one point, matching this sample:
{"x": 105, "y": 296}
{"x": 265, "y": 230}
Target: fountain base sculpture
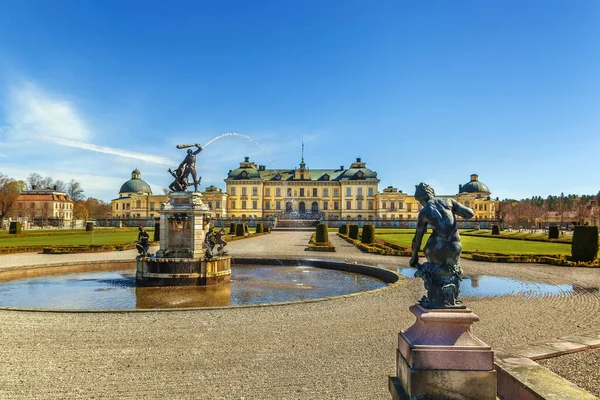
{"x": 438, "y": 357}
{"x": 181, "y": 260}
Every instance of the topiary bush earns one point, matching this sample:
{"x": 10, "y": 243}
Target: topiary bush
{"x": 353, "y": 232}
{"x": 585, "y": 243}
{"x": 368, "y": 234}
{"x": 322, "y": 235}
{"x": 495, "y": 230}
{"x": 259, "y": 228}
{"x": 246, "y": 228}
{"x": 89, "y": 226}
{"x": 14, "y": 228}
{"x": 232, "y": 228}
{"x": 156, "y": 231}
{"x": 343, "y": 229}
{"x": 553, "y": 232}
{"x": 239, "y": 230}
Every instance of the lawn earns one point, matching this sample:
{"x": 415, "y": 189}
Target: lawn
{"x": 67, "y": 238}
{"x": 491, "y": 245}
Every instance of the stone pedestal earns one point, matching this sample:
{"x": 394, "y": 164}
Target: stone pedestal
{"x": 184, "y": 221}
{"x": 439, "y": 358}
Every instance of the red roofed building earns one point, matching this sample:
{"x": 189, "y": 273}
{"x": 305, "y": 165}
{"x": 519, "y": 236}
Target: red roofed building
{"x": 44, "y": 207}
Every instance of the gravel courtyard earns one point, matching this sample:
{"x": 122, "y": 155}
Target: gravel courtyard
{"x": 338, "y": 349}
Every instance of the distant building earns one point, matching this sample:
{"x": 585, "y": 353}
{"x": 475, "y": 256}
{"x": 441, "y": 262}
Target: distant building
{"x": 136, "y": 199}
{"x": 44, "y": 207}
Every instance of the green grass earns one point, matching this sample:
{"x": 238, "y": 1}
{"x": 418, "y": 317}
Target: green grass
{"x": 491, "y": 245}
{"x": 57, "y": 239}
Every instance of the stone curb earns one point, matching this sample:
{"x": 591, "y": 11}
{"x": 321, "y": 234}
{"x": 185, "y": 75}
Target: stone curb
{"x": 520, "y": 377}
{"x": 376, "y": 272}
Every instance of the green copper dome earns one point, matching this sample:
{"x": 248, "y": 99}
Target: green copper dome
{"x": 474, "y": 186}
{"x": 135, "y": 184}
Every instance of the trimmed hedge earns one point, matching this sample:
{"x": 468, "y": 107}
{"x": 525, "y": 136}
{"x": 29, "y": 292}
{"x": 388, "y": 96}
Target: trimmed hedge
{"x": 15, "y": 228}
{"x": 585, "y": 243}
{"x": 343, "y": 229}
{"x": 89, "y": 226}
{"x": 313, "y": 245}
{"x": 232, "y": 228}
{"x": 368, "y": 234}
{"x": 553, "y": 232}
{"x": 239, "y": 230}
{"x": 246, "y": 228}
{"x": 157, "y": 231}
{"x": 259, "y": 227}
{"x": 495, "y": 230}
{"x": 322, "y": 234}
{"x": 353, "y": 234}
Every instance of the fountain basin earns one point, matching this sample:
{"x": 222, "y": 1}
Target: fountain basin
{"x": 156, "y": 271}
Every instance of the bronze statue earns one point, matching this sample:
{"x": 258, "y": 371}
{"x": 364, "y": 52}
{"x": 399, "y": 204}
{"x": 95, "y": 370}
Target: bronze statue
{"x": 187, "y": 167}
{"x": 441, "y": 273}
{"x": 143, "y": 242}
{"x": 211, "y": 240}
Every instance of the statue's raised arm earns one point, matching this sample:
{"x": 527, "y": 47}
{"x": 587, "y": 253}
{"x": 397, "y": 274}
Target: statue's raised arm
{"x": 187, "y": 167}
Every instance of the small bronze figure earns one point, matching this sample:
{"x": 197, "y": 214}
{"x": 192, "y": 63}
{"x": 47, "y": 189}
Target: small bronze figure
{"x": 143, "y": 242}
{"x": 441, "y": 273}
{"x": 211, "y": 240}
{"x": 187, "y": 167}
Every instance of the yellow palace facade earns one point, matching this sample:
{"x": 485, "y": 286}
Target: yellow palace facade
{"x": 253, "y": 191}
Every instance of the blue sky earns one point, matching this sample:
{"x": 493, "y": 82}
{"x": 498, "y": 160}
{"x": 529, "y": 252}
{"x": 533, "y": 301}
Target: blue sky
{"x": 422, "y": 91}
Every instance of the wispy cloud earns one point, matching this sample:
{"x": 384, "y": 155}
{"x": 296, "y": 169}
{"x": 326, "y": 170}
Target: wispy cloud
{"x": 34, "y": 114}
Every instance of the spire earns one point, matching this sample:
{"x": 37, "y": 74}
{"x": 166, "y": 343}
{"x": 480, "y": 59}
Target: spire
{"x": 302, "y": 163}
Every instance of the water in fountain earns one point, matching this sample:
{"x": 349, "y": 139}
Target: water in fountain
{"x": 262, "y": 149}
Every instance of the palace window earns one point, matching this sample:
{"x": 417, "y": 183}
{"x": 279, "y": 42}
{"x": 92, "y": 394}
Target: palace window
{"x": 218, "y": 204}
{"x": 138, "y": 204}
{"x": 383, "y": 204}
{"x": 254, "y": 191}
{"x": 325, "y": 205}
{"x": 370, "y": 191}
{"x": 244, "y": 192}
{"x": 301, "y": 192}
{"x": 278, "y": 205}
{"x": 348, "y": 205}
{"x": 233, "y": 191}
{"x": 289, "y": 192}
{"x": 409, "y": 208}
{"x": 315, "y": 192}
{"x": 152, "y": 206}
{"x": 243, "y": 204}
{"x": 267, "y": 205}
{"x": 359, "y": 192}
{"x": 400, "y": 205}
{"x": 392, "y": 205}
{"x": 359, "y": 205}
{"x": 348, "y": 191}
{"x": 254, "y": 204}
{"x": 267, "y": 191}
{"x": 325, "y": 192}
{"x": 233, "y": 205}
{"x": 336, "y": 192}
{"x": 336, "y": 205}
{"x": 278, "y": 192}
{"x": 370, "y": 204}
{"x": 210, "y": 205}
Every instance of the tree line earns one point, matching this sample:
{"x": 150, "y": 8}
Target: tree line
{"x": 566, "y": 208}
{"x": 83, "y": 208}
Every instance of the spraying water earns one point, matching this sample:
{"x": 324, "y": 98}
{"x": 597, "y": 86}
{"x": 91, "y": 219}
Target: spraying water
{"x": 262, "y": 150}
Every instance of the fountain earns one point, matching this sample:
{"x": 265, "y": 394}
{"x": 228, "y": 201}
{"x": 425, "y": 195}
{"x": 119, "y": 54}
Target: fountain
{"x": 184, "y": 222}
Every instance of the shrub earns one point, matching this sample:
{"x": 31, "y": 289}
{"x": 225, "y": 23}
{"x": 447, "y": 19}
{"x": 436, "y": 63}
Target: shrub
{"x": 322, "y": 235}
{"x": 585, "y": 243}
{"x": 89, "y": 226}
{"x": 14, "y": 228}
{"x": 157, "y": 231}
{"x": 368, "y": 234}
{"x": 259, "y": 228}
{"x": 353, "y": 232}
{"x": 232, "y": 228}
{"x": 553, "y": 232}
{"x": 239, "y": 230}
{"x": 495, "y": 230}
{"x": 343, "y": 229}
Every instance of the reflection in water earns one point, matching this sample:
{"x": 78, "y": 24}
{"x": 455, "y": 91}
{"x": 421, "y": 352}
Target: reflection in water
{"x": 117, "y": 289}
{"x": 493, "y": 286}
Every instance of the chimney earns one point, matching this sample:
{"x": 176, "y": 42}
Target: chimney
{"x": 55, "y": 187}
{"x": 474, "y": 177}
{"x": 341, "y": 167}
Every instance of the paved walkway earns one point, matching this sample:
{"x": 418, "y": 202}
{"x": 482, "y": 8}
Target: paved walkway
{"x": 339, "y": 349}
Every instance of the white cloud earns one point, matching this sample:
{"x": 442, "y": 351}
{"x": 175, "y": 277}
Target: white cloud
{"x": 33, "y": 114}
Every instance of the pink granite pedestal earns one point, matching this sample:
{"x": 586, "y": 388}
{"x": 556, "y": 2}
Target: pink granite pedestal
{"x": 439, "y": 358}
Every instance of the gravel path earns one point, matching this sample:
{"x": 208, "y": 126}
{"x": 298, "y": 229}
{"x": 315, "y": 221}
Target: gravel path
{"x": 339, "y": 349}
{"x": 581, "y": 368}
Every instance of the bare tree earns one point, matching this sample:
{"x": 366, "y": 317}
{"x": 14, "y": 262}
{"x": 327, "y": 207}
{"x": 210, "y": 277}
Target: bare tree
{"x": 582, "y": 210}
{"x": 35, "y": 181}
{"x": 9, "y": 191}
{"x": 60, "y": 186}
{"x": 74, "y": 190}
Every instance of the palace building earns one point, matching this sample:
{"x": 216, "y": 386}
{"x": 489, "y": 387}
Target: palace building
{"x": 43, "y": 206}
{"x": 253, "y": 191}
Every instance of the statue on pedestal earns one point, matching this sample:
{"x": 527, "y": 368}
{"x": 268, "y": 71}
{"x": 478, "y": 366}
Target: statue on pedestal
{"x": 441, "y": 273}
{"x": 187, "y": 167}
